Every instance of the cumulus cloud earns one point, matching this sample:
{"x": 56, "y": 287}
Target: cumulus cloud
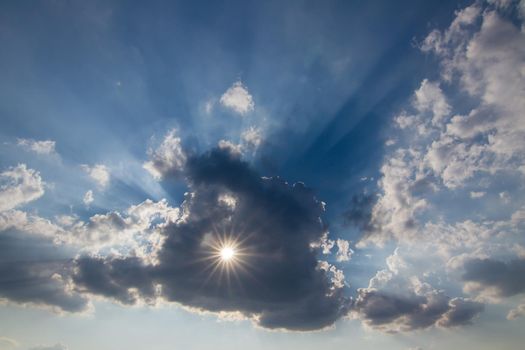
{"x": 134, "y": 232}
{"x": 169, "y": 159}
{"x": 429, "y": 97}
{"x": 19, "y": 185}
{"x": 39, "y": 147}
{"x": 393, "y": 303}
{"x": 88, "y": 198}
{"x": 276, "y": 280}
{"x": 238, "y": 99}
{"x": 99, "y": 173}
{"x": 447, "y": 155}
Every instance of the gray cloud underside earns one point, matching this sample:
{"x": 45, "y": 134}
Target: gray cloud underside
{"x": 508, "y": 278}
{"x": 34, "y": 270}
{"x": 393, "y": 313}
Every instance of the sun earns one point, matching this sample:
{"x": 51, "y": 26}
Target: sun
{"x": 226, "y": 257}
{"x": 227, "y": 253}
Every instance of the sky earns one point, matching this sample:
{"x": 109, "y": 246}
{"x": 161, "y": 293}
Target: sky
{"x": 262, "y": 174}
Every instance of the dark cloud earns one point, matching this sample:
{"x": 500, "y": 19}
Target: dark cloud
{"x": 507, "y": 278}
{"x": 405, "y": 312}
{"x": 461, "y": 312}
{"x": 276, "y": 281}
{"x": 34, "y": 270}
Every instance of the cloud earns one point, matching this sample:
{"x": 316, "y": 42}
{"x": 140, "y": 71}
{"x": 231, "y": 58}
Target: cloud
{"x": 99, "y": 173}
{"x": 134, "y": 232}
{"x": 39, "y": 147}
{"x": 19, "y": 220}
{"x": 397, "y": 313}
{"x": 501, "y": 279}
{"x": 429, "y": 97}
{"x": 231, "y": 147}
{"x": 394, "y": 304}
{"x": 238, "y": 99}
{"x": 88, "y": 198}
{"x": 517, "y": 312}
{"x": 477, "y": 194}
{"x": 344, "y": 253}
{"x": 252, "y": 137}
{"x": 276, "y": 280}
{"x": 461, "y": 312}
{"x": 169, "y": 159}
{"x": 35, "y": 271}
{"x": 36, "y": 255}
{"x": 19, "y": 185}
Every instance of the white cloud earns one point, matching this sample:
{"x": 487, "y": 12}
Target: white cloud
{"x": 19, "y": 185}
{"x": 20, "y": 220}
{"x": 337, "y": 276}
{"x": 479, "y": 194}
{"x": 238, "y": 99}
{"x": 99, "y": 173}
{"x": 344, "y": 253}
{"x": 133, "y": 232}
{"x": 228, "y": 200}
{"x": 232, "y": 147}
{"x": 88, "y": 198}
{"x": 66, "y": 220}
{"x": 252, "y": 137}
{"x": 453, "y": 153}
{"x": 446, "y": 158}
{"x": 324, "y": 243}
{"x": 517, "y": 312}
{"x": 39, "y": 147}
{"x": 429, "y": 97}
{"x": 168, "y": 158}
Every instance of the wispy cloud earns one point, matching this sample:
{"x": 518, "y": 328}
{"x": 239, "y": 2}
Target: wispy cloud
{"x": 40, "y": 147}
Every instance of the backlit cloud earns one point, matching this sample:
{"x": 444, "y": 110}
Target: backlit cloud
{"x": 238, "y": 99}
{"x": 272, "y": 225}
{"x": 19, "y": 185}
{"x": 98, "y": 173}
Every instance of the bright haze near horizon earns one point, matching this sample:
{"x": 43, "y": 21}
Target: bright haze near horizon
{"x": 262, "y": 175}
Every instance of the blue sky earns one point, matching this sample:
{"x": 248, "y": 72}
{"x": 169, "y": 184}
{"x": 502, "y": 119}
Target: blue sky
{"x": 362, "y": 162}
